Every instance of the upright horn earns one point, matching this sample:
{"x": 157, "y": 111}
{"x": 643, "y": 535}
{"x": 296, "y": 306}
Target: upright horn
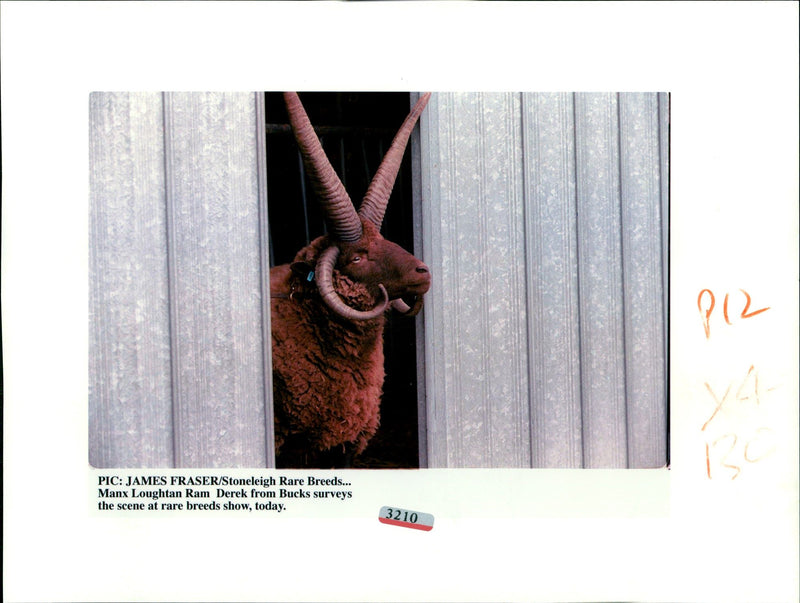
{"x": 373, "y": 207}
{"x": 336, "y": 204}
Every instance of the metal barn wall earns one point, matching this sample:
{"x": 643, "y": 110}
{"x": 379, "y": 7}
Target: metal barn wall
{"x": 178, "y": 319}
{"x": 543, "y": 218}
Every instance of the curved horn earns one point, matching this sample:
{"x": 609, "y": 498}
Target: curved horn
{"x": 336, "y": 204}
{"x": 403, "y": 308}
{"x": 325, "y": 264}
{"x": 373, "y": 207}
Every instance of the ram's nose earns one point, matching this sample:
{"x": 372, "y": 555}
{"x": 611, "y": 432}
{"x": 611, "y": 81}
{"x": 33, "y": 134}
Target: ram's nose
{"x": 424, "y": 275}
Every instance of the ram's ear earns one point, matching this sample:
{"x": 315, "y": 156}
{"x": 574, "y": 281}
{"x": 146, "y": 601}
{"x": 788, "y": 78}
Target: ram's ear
{"x": 302, "y": 269}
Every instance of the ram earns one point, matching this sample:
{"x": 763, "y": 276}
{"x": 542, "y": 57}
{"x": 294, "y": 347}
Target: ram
{"x": 328, "y": 310}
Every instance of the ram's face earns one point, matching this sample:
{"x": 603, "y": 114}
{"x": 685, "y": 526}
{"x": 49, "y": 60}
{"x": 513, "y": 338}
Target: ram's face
{"x": 375, "y": 261}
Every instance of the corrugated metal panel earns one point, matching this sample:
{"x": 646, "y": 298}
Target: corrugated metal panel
{"x": 600, "y": 277}
{"x": 475, "y": 322}
{"x": 265, "y": 251}
{"x": 130, "y": 416}
{"x": 552, "y": 273}
{"x": 640, "y": 168}
{"x": 205, "y": 253}
{"x": 545, "y": 231}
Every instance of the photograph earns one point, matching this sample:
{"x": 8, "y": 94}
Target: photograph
{"x": 379, "y": 280}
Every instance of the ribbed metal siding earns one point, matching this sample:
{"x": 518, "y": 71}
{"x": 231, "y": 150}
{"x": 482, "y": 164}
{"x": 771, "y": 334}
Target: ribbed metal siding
{"x": 130, "y": 415}
{"x": 179, "y": 334}
{"x": 551, "y": 261}
{"x": 545, "y": 327}
{"x": 476, "y": 358}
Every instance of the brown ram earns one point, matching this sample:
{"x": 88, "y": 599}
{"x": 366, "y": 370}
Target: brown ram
{"x": 328, "y": 310}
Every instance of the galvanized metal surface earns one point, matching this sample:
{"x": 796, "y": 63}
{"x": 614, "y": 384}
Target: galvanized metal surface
{"x": 552, "y": 274}
{"x": 476, "y": 363}
{"x": 130, "y": 417}
{"x": 600, "y": 277}
{"x": 191, "y": 389}
{"x": 545, "y": 328}
{"x": 645, "y": 363}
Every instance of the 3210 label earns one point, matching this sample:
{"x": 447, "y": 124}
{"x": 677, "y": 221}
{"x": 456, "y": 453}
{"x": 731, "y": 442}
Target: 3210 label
{"x": 405, "y": 518}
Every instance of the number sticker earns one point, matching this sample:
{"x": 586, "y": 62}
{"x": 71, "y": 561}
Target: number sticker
{"x": 408, "y": 519}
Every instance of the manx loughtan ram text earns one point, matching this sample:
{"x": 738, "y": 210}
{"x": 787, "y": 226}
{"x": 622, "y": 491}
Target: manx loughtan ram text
{"x": 221, "y": 493}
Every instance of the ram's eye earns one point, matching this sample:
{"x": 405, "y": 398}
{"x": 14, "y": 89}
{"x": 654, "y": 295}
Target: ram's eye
{"x": 355, "y": 259}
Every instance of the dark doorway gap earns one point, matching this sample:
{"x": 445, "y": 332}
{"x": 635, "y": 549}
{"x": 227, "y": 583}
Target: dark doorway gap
{"x": 355, "y": 128}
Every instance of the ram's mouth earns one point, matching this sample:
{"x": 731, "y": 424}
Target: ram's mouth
{"x": 408, "y": 305}
{"x": 410, "y": 299}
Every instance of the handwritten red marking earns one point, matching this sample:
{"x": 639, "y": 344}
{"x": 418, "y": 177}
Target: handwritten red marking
{"x": 728, "y": 453}
{"x": 707, "y": 319}
{"x": 749, "y": 448}
{"x": 718, "y": 402}
{"x": 747, "y": 307}
{"x": 705, "y": 314}
{"x": 764, "y": 454}
{"x": 725, "y": 309}
{"x": 744, "y": 383}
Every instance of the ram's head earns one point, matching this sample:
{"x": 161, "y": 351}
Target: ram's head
{"x": 356, "y": 248}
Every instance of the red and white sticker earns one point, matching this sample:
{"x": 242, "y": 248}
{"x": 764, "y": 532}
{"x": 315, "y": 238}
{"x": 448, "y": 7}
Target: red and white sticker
{"x": 396, "y": 516}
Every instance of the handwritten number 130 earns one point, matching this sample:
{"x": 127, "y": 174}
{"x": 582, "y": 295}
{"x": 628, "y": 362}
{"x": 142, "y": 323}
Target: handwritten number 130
{"x": 762, "y": 433}
{"x": 706, "y": 303}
